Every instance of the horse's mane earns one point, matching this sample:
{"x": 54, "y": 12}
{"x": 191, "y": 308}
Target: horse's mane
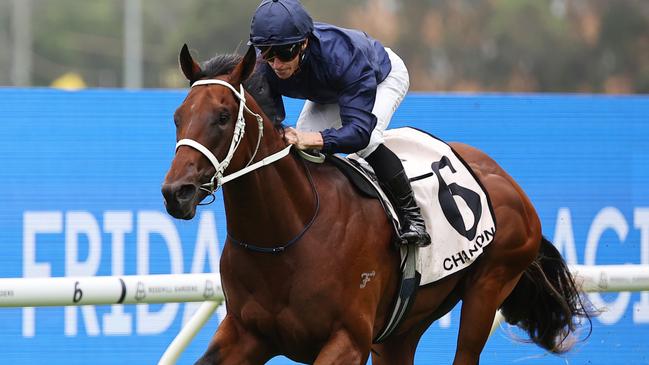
{"x": 220, "y": 65}
{"x": 256, "y": 84}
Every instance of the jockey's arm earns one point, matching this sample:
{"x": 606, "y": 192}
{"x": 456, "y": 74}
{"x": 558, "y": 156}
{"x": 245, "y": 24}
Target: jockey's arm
{"x": 303, "y": 140}
{"x": 356, "y": 101}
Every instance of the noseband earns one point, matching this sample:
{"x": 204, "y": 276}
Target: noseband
{"x": 239, "y": 130}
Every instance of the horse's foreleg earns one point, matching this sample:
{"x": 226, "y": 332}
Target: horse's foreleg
{"x": 398, "y": 349}
{"x": 342, "y": 349}
{"x": 233, "y": 345}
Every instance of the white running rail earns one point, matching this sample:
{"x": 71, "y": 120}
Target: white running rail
{"x": 135, "y": 289}
{"x": 130, "y": 289}
{"x": 611, "y": 278}
{"x": 603, "y": 278}
{"x": 98, "y": 290}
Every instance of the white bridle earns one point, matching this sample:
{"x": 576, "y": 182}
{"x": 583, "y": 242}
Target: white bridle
{"x": 239, "y": 129}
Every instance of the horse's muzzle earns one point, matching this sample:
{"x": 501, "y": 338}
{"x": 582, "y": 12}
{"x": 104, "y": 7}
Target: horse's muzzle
{"x": 180, "y": 199}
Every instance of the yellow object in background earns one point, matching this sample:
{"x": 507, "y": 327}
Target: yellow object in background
{"x": 69, "y": 81}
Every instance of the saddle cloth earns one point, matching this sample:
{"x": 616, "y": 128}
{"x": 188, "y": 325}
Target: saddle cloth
{"x": 455, "y": 206}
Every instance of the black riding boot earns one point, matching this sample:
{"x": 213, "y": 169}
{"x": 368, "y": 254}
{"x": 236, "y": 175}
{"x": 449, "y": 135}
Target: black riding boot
{"x": 413, "y": 227}
{"x": 395, "y": 183}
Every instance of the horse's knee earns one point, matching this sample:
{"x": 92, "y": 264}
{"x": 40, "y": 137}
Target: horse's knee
{"x": 233, "y": 345}
{"x": 342, "y": 349}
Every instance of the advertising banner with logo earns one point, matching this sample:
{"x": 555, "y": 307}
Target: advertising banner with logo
{"x": 81, "y": 176}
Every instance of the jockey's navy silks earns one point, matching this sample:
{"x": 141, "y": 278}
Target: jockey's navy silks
{"x": 340, "y": 66}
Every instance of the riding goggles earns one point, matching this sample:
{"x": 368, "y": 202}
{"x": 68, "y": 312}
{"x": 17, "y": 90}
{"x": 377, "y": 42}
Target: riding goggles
{"x": 284, "y": 53}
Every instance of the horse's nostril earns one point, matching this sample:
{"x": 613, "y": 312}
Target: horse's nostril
{"x": 186, "y": 192}
{"x": 167, "y": 193}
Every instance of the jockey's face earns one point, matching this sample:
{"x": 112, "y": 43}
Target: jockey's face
{"x": 286, "y": 61}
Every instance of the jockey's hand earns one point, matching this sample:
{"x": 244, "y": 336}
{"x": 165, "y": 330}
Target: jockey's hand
{"x": 303, "y": 140}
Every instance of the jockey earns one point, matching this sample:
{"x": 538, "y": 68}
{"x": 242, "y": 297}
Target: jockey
{"x": 352, "y": 86}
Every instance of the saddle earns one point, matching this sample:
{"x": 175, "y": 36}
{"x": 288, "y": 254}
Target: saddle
{"x": 362, "y": 177}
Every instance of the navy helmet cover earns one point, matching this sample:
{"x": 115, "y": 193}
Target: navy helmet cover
{"x": 279, "y": 22}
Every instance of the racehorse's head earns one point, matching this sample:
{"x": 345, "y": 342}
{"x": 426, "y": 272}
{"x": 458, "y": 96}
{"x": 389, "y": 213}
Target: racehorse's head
{"x": 205, "y": 131}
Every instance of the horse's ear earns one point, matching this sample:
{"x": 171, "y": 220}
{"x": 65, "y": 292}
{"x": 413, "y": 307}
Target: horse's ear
{"x": 190, "y": 68}
{"x": 244, "y": 69}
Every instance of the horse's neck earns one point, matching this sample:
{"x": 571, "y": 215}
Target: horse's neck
{"x": 272, "y": 204}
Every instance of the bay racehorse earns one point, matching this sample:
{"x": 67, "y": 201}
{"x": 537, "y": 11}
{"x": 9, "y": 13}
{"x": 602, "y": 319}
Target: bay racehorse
{"x": 300, "y": 238}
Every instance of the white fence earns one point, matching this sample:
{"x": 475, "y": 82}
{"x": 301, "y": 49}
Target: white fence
{"x": 135, "y": 289}
{"x": 97, "y": 290}
{"x": 603, "y": 278}
{"x": 132, "y": 289}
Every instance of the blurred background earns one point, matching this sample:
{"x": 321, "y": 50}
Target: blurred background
{"x": 574, "y": 46}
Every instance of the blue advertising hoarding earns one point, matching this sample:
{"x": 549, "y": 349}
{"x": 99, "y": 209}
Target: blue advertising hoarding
{"x": 81, "y": 176}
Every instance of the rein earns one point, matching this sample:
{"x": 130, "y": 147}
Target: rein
{"x": 218, "y": 179}
{"x": 283, "y": 247}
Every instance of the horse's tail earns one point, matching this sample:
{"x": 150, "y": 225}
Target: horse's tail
{"x": 546, "y": 302}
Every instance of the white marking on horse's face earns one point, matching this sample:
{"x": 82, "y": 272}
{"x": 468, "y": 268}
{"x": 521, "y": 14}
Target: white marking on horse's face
{"x": 366, "y": 277}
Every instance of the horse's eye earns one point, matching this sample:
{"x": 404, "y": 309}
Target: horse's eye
{"x": 224, "y": 118}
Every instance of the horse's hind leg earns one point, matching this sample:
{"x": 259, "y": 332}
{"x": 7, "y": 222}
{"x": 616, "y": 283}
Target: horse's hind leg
{"x": 478, "y": 310}
{"x": 486, "y": 287}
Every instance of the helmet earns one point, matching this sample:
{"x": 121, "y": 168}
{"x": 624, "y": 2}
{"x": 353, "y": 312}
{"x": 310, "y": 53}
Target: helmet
{"x": 278, "y": 22}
